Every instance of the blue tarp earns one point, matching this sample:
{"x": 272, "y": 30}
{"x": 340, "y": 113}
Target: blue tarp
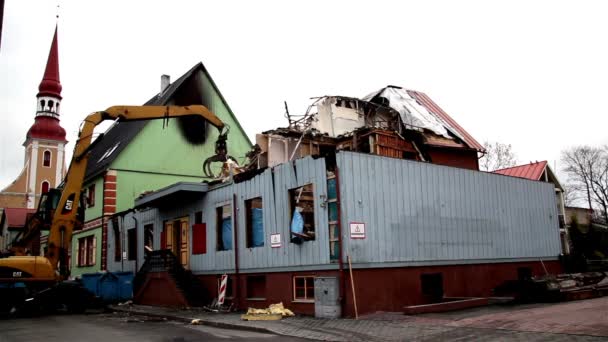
{"x": 257, "y": 225}
{"x": 297, "y": 222}
{"x": 227, "y": 233}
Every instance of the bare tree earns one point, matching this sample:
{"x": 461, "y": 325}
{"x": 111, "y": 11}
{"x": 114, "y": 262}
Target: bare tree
{"x": 498, "y": 156}
{"x": 571, "y": 194}
{"x": 587, "y": 169}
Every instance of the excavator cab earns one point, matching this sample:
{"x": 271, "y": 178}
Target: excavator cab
{"x": 47, "y": 205}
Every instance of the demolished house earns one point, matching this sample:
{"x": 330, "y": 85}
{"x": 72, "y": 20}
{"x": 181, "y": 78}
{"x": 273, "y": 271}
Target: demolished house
{"x": 379, "y": 196}
{"x": 392, "y": 122}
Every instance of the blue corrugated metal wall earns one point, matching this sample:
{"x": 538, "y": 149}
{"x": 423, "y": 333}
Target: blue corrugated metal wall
{"x": 414, "y": 213}
{"x": 419, "y": 212}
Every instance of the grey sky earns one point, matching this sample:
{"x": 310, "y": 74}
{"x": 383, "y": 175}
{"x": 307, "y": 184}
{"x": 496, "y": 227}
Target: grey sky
{"x": 530, "y": 73}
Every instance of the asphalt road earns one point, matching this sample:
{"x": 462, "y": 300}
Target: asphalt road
{"x": 118, "y": 328}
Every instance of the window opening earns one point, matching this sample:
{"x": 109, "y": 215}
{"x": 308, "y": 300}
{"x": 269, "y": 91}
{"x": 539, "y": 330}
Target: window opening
{"x": 303, "y": 213}
{"x": 304, "y": 288}
{"x": 117, "y": 244}
{"x": 86, "y": 251}
{"x": 46, "y": 161}
{"x": 132, "y": 243}
{"x": 432, "y": 286}
{"x": 149, "y": 238}
{"x": 256, "y": 287}
{"x": 224, "y": 227}
{"x": 198, "y": 217}
{"x": 254, "y": 222}
{"x": 45, "y": 187}
{"x": 91, "y": 196}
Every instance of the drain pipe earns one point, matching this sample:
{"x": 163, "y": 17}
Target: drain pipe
{"x": 237, "y": 294}
{"x": 342, "y": 293}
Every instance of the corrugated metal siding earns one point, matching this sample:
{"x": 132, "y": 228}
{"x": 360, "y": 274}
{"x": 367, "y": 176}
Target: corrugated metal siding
{"x": 126, "y": 222}
{"x": 422, "y": 212}
{"x": 213, "y": 259}
{"x": 274, "y": 191}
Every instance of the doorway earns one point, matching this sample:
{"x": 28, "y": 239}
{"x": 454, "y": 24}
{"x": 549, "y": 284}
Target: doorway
{"x": 177, "y": 237}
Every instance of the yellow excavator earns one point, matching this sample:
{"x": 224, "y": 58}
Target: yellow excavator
{"x": 28, "y": 282}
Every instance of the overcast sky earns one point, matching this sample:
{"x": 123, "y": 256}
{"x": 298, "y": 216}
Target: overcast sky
{"x": 530, "y": 73}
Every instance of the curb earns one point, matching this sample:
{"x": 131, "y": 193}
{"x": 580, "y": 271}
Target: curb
{"x": 202, "y": 321}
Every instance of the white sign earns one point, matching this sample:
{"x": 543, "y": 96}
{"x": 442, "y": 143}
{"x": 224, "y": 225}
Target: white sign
{"x": 275, "y": 240}
{"x": 357, "y": 230}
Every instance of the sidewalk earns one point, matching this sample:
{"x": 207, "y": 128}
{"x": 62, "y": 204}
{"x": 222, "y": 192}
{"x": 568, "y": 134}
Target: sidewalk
{"x": 376, "y": 327}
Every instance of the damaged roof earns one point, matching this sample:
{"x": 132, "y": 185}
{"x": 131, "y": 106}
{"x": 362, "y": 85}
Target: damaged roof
{"x": 417, "y": 109}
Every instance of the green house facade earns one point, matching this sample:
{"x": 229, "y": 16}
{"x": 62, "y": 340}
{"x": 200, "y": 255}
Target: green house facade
{"x": 136, "y": 157}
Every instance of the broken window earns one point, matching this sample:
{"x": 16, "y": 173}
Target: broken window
{"x": 432, "y": 286}
{"x": 132, "y": 243}
{"x": 304, "y": 288}
{"x": 256, "y": 287}
{"x": 302, "y": 210}
{"x": 149, "y": 238}
{"x": 254, "y": 222}
{"x": 224, "y": 228}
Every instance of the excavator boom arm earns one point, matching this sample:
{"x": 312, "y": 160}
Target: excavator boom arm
{"x": 64, "y": 219}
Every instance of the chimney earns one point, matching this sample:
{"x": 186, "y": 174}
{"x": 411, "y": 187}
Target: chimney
{"x": 165, "y": 80}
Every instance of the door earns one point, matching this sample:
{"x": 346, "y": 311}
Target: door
{"x": 184, "y": 239}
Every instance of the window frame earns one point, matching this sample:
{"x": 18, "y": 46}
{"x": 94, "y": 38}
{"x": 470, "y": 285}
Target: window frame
{"x": 292, "y": 205}
{"x": 219, "y": 217}
{"x": 91, "y": 196}
{"x": 48, "y": 186}
{"x": 44, "y": 160}
{"x": 249, "y": 221}
{"x": 87, "y": 250}
{"x": 306, "y": 298}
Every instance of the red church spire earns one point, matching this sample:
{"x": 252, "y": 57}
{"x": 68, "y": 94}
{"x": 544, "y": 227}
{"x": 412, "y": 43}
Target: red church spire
{"x": 46, "y": 124}
{"x": 50, "y": 85}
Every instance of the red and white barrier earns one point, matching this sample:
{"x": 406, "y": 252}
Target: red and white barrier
{"x": 222, "y": 292}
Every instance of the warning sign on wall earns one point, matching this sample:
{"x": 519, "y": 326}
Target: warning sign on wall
{"x": 357, "y": 230}
{"x": 275, "y": 240}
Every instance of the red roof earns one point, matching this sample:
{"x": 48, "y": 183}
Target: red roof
{"x": 50, "y": 84}
{"x": 531, "y": 171}
{"x": 16, "y": 216}
{"x": 426, "y": 101}
{"x": 46, "y": 127}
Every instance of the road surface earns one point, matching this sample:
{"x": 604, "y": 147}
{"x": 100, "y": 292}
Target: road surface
{"x": 117, "y": 328}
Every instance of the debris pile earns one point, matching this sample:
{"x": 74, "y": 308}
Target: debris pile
{"x": 563, "y": 287}
{"x": 273, "y": 312}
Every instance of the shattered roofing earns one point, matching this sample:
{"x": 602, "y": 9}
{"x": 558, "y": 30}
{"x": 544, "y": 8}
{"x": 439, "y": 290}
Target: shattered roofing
{"x": 532, "y": 171}
{"x": 417, "y": 109}
{"x": 118, "y": 137}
